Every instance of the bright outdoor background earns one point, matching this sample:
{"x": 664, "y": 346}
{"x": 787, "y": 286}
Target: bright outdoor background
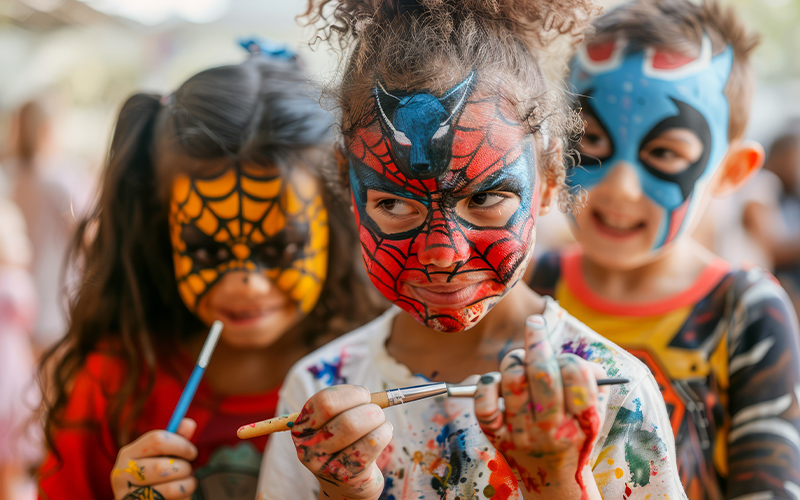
{"x": 83, "y": 57}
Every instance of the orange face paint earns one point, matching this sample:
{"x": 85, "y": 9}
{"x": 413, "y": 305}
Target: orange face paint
{"x": 248, "y": 218}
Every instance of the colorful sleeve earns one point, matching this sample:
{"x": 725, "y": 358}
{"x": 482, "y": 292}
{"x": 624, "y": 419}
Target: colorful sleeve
{"x": 85, "y": 450}
{"x": 763, "y": 444}
{"x": 636, "y": 460}
{"x": 282, "y": 475}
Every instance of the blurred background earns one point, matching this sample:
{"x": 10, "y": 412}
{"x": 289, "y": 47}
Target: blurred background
{"x": 66, "y": 66}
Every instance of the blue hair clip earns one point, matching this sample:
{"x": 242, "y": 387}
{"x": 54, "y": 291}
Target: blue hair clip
{"x": 268, "y": 48}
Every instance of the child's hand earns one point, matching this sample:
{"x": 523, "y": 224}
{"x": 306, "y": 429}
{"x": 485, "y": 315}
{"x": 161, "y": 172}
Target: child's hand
{"x": 339, "y": 435}
{"x": 553, "y": 412}
{"x": 156, "y": 466}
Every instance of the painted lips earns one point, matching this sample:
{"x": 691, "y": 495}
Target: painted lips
{"x": 245, "y": 316}
{"x": 448, "y": 295}
{"x": 616, "y": 228}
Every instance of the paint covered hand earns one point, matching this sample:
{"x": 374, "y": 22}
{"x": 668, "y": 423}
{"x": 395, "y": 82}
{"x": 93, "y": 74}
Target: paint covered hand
{"x": 156, "y": 466}
{"x": 552, "y": 413}
{"x": 338, "y": 436}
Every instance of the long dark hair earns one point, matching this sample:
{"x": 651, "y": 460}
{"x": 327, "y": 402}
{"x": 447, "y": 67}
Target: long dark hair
{"x": 263, "y": 110}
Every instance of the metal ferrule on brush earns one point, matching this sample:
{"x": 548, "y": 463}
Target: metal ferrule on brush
{"x": 408, "y": 394}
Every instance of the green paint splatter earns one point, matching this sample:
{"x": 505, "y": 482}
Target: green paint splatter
{"x": 290, "y": 424}
{"x": 642, "y": 447}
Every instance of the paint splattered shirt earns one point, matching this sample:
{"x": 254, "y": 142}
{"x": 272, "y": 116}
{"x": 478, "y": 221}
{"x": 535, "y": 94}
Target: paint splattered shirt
{"x": 226, "y": 467}
{"x": 725, "y": 355}
{"x": 438, "y": 449}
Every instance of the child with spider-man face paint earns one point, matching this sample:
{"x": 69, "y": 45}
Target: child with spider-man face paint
{"x": 453, "y": 146}
{"x": 216, "y": 205}
{"x": 664, "y": 88}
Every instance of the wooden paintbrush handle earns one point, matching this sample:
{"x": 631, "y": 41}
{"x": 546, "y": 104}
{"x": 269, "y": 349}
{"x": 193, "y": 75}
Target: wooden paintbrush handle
{"x": 286, "y": 422}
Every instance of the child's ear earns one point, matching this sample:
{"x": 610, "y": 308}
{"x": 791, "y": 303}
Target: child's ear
{"x": 739, "y": 165}
{"x": 550, "y": 182}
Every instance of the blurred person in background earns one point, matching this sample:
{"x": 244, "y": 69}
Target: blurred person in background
{"x": 773, "y": 219}
{"x": 20, "y": 439}
{"x": 42, "y": 184}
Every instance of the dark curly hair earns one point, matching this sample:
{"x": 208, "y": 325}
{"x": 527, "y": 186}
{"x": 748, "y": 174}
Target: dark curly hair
{"x": 517, "y": 49}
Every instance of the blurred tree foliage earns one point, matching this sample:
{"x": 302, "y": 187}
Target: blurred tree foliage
{"x": 778, "y": 22}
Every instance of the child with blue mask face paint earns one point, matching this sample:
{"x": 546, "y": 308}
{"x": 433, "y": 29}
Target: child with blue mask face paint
{"x": 664, "y": 88}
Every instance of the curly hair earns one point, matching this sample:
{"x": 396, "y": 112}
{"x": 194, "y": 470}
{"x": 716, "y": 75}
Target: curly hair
{"x": 516, "y": 48}
{"x": 264, "y": 111}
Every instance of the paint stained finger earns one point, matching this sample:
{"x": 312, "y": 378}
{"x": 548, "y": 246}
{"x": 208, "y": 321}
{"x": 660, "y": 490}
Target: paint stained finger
{"x": 341, "y": 431}
{"x": 328, "y": 403}
{"x": 176, "y": 490}
{"x": 544, "y": 375}
{"x": 151, "y": 471}
{"x": 487, "y": 403}
{"x": 351, "y": 462}
{"x": 580, "y": 384}
{"x": 514, "y": 383}
{"x": 160, "y": 443}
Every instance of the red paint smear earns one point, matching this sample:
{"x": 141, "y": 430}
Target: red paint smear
{"x": 567, "y": 430}
{"x": 502, "y": 478}
{"x": 627, "y": 493}
{"x": 670, "y": 60}
{"x": 601, "y": 51}
{"x": 318, "y": 437}
{"x": 589, "y": 421}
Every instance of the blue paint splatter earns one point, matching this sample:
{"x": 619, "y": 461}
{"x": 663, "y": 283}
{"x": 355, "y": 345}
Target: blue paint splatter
{"x": 329, "y": 373}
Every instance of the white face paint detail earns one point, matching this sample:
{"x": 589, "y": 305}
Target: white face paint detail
{"x": 441, "y": 132}
{"x": 400, "y": 137}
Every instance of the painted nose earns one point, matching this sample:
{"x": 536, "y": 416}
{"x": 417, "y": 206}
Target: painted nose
{"x": 247, "y": 282}
{"x": 443, "y": 247}
{"x": 623, "y": 181}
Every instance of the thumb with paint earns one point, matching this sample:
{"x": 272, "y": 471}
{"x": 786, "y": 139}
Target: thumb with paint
{"x": 550, "y": 415}
{"x": 157, "y": 466}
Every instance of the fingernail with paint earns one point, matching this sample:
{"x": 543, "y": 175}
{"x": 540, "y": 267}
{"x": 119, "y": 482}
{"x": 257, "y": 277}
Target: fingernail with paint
{"x": 536, "y": 322}
{"x": 490, "y": 378}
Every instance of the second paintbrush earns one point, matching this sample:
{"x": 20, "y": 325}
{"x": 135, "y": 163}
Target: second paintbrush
{"x": 384, "y": 399}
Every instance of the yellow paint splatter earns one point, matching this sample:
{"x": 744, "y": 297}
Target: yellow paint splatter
{"x": 134, "y": 470}
{"x": 610, "y": 461}
{"x": 618, "y": 472}
{"x": 372, "y": 442}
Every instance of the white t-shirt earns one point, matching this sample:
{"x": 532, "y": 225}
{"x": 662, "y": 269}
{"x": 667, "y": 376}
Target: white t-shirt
{"x": 438, "y": 449}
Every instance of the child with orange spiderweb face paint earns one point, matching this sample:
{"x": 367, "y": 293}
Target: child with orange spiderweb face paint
{"x": 454, "y": 144}
{"x": 216, "y": 204}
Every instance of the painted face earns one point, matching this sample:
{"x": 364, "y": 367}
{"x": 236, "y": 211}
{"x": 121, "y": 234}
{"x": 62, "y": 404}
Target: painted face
{"x": 639, "y": 105}
{"x": 248, "y": 222}
{"x": 444, "y": 189}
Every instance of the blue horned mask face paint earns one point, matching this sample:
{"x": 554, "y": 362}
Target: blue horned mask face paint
{"x": 635, "y": 96}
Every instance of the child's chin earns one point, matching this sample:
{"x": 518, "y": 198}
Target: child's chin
{"x": 453, "y": 320}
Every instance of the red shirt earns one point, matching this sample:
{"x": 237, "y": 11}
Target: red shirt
{"x": 226, "y": 467}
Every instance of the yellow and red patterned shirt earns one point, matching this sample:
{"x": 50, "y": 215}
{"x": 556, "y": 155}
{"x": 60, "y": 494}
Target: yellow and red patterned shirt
{"x": 725, "y": 355}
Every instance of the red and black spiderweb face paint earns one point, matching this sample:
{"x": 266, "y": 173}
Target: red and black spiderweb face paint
{"x": 444, "y": 189}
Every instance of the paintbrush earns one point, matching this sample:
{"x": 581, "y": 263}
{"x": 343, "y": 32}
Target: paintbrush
{"x": 194, "y": 379}
{"x": 384, "y": 399}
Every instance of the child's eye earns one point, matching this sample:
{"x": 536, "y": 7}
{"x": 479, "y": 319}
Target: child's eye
{"x": 396, "y": 207}
{"x": 489, "y": 209}
{"x": 595, "y": 144}
{"x": 672, "y": 151}
{"x": 394, "y": 214}
{"x": 209, "y": 257}
{"x": 486, "y": 200}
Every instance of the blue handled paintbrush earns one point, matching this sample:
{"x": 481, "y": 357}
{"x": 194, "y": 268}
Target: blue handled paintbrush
{"x": 194, "y": 379}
